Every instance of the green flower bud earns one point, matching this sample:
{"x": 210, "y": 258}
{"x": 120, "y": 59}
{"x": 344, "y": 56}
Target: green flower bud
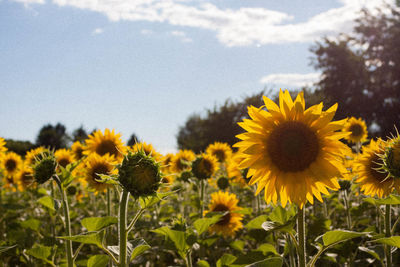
{"x": 391, "y": 158}
{"x": 222, "y": 183}
{"x": 139, "y": 174}
{"x": 44, "y": 168}
{"x": 204, "y": 166}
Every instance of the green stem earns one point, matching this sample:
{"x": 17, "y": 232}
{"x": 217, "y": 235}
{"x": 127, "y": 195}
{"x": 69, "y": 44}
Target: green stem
{"x": 137, "y": 216}
{"x": 123, "y": 234}
{"x": 301, "y": 253}
{"x": 108, "y": 202}
{"x": 189, "y": 259}
{"x": 68, "y": 243}
{"x": 201, "y": 198}
{"x": 346, "y": 204}
{"x": 388, "y": 232}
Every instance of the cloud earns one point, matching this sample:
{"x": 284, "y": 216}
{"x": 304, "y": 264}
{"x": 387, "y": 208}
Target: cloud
{"x": 28, "y": 2}
{"x": 146, "y": 32}
{"x": 291, "y": 79}
{"x": 233, "y": 27}
{"x": 97, "y": 31}
{"x": 182, "y": 36}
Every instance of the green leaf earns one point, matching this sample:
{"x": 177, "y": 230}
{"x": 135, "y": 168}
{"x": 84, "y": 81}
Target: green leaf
{"x": 393, "y": 241}
{"x": 257, "y": 222}
{"x": 226, "y": 260}
{"x": 267, "y": 248}
{"x": 270, "y": 262}
{"x": 337, "y": 236}
{"x": 107, "y": 179}
{"x": 91, "y": 238}
{"x": 148, "y": 201}
{"x": 202, "y": 263}
{"x": 5, "y": 248}
{"x": 139, "y": 246}
{"x": 275, "y": 226}
{"x": 31, "y": 223}
{"x": 390, "y": 200}
{"x": 177, "y": 237}
{"x": 40, "y": 252}
{"x": 281, "y": 215}
{"x": 48, "y": 202}
{"x": 203, "y": 224}
{"x": 98, "y": 223}
{"x": 237, "y": 244}
{"x": 370, "y": 252}
{"x": 98, "y": 261}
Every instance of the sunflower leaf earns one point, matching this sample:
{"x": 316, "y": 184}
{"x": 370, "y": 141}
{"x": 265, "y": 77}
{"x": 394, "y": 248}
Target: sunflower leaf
{"x": 257, "y": 222}
{"x": 148, "y": 201}
{"x": 370, "y": 252}
{"x": 95, "y": 238}
{"x": 226, "y": 260}
{"x": 31, "y": 223}
{"x": 93, "y": 224}
{"x": 48, "y": 202}
{"x": 393, "y": 241}
{"x": 138, "y": 247}
{"x": 203, "y": 224}
{"x": 337, "y": 236}
{"x": 100, "y": 260}
{"x": 40, "y": 252}
{"x": 270, "y": 262}
{"x": 177, "y": 237}
{"x": 107, "y": 179}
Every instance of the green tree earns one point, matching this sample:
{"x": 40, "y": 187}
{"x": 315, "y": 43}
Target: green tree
{"x": 133, "y": 140}
{"x": 361, "y": 71}
{"x": 53, "y": 136}
{"x": 79, "y": 134}
{"x": 19, "y": 147}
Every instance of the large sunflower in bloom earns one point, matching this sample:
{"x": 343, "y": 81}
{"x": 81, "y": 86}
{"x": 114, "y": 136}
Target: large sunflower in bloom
{"x": 371, "y": 177}
{"x": 232, "y": 220}
{"x": 358, "y": 130}
{"x": 2, "y": 145}
{"x": 64, "y": 157}
{"x": 77, "y": 148}
{"x": 95, "y": 165}
{"x": 292, "y": 152}
{"x": 182, "y": 160}
{"x": 11, "y": 164}
{"x": 24, "y": 178}
{"x": 108, "y": 143}
{"x": 222, "y": 151}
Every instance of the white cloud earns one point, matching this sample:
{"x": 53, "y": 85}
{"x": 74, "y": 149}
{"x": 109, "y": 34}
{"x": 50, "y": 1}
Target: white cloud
{"x": 146, "y": 32}
{"x": 97, "y": 31}
{"x": 182, "y": 36}
{"x": 291, "y": 79}
{"x": 233, "y": 27}
{"x": 28, "y": 2}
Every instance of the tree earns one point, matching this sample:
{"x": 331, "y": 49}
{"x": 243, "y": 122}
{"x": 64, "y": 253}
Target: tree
{"x": 19, "y": 147}
{"x": 133, "y": 140}
{"x": 361, "y": 71}
{"x": 79, "y": 134}
{"x": 53, "y": 136}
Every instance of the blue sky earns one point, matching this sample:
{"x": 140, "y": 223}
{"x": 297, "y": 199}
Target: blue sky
{"x": 144, "y": 66}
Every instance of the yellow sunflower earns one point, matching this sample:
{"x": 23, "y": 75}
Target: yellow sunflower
{"x": 24, "y": 178}
{"x": 182, "y": 160}
{"x": 204, "y": 166}
{"x": 233, "y": 171}
{"x": 11, "y": 163}
{"x": 372, "y": 179}
{"x": 166, "y": 163}
{"x": 3, "y": 147}
{"x": 107, "y": 143}
{"x": 358, "y": 130}
{"x": 94, "y": 165}
{"x": 391, "y": 157}
{"x": 77, "y": 148}
{"x": 64, "y": 157}
{"x": 31, "y": 155}
{"x": 231, "y": 222}
{"x": 292, "y": 152}
{"x": 220, "y": 150}
{"x": 148, "y": 150}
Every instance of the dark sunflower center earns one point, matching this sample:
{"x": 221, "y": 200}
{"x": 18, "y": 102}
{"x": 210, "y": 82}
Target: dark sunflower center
{"x": 206, "y": 166}
{"x": 99, "y": 169}
{"x": 220, "y": 155}
{"x": 224, "y": 219}
{"x": 79, "y": 153}
{"x": 356, "y": 130}
{"x": 64, "y": 162}
{"x": 107, "y": 146}
{"x": 292, "y": 146}
{"x": 27, "y": 178}
{"x": 11, "y": 165}
{"x": 374, "y": 165}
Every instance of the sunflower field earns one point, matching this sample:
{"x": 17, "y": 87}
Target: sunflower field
{"x": 297, "y": 189}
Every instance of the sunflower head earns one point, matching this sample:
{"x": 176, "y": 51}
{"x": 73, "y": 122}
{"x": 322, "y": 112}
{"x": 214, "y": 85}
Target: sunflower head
{"x": 64, "y": 157}
{"x": 96, "y": 165}
{"x": 139, "y": 174}
{"x": 31, "y": 155}
{"x": 44, "y": 168}
{"x": 77, "y": 149}
{"x": 107, "y": 143}
{"x": 11, "y": 163}
{"x": 148, "y": 149}
{"x": 182, "y": 160}
{"x": 391, "y": 157}
{"x": 231, "y": 221}
{"x": 223, "y": 182}
{"x": 293, "y": 153}
{"x": 3, "y": 147}
{"x": 222, "y": 151}
{"x": 372, "y": 178}
{"x": 25, "y": 178}
{"x": 204, "y": 166}
{"x": 358, "y": 130}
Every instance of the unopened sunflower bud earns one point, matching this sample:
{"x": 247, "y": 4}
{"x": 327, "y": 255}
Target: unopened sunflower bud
{"x": 391, "y": 158}
{"x": 139, "y": 174}
{"x": 204, "y": 166}
{"x": 44, "y": 168}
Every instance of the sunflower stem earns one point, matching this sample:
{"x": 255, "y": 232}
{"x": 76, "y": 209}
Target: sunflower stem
{"x": 68, "y": 243}
{"x": 189, "y": 259}
{"x": 388, "y": 233}
{"x": 201, "y": 198}
{"x": 123, "y": 234}
{"x": 346, "y": 204}
{"x": 301, "y": 253}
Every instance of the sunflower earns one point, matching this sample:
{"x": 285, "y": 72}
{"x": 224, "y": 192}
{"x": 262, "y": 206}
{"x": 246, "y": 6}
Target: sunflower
{"x": 372, "y": 179}
{"x": 292, "y": 153}
{"x": 233, "y": 171}
{"x": 11, "y": 163}
{"x": 166, "y": 163}
{"x": 64, "y": 157}
{"x": 31, "y": 155}
{"x": 204, "y": 166}
{"x": 220, "y": 150}
{"x": 24, "y": 178}
{"x": 77, "y": 148}
{"x": 358, "y": 130}
{"x": 182, "y": 160}
{"x": 232, "y": 220}
{"x": 148, "y": 149}
{"x": 94, "y": 165}
{"x": 391, "y": 157}
{"x": 3, "y": 147}
{"x": 107, "y": 143}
